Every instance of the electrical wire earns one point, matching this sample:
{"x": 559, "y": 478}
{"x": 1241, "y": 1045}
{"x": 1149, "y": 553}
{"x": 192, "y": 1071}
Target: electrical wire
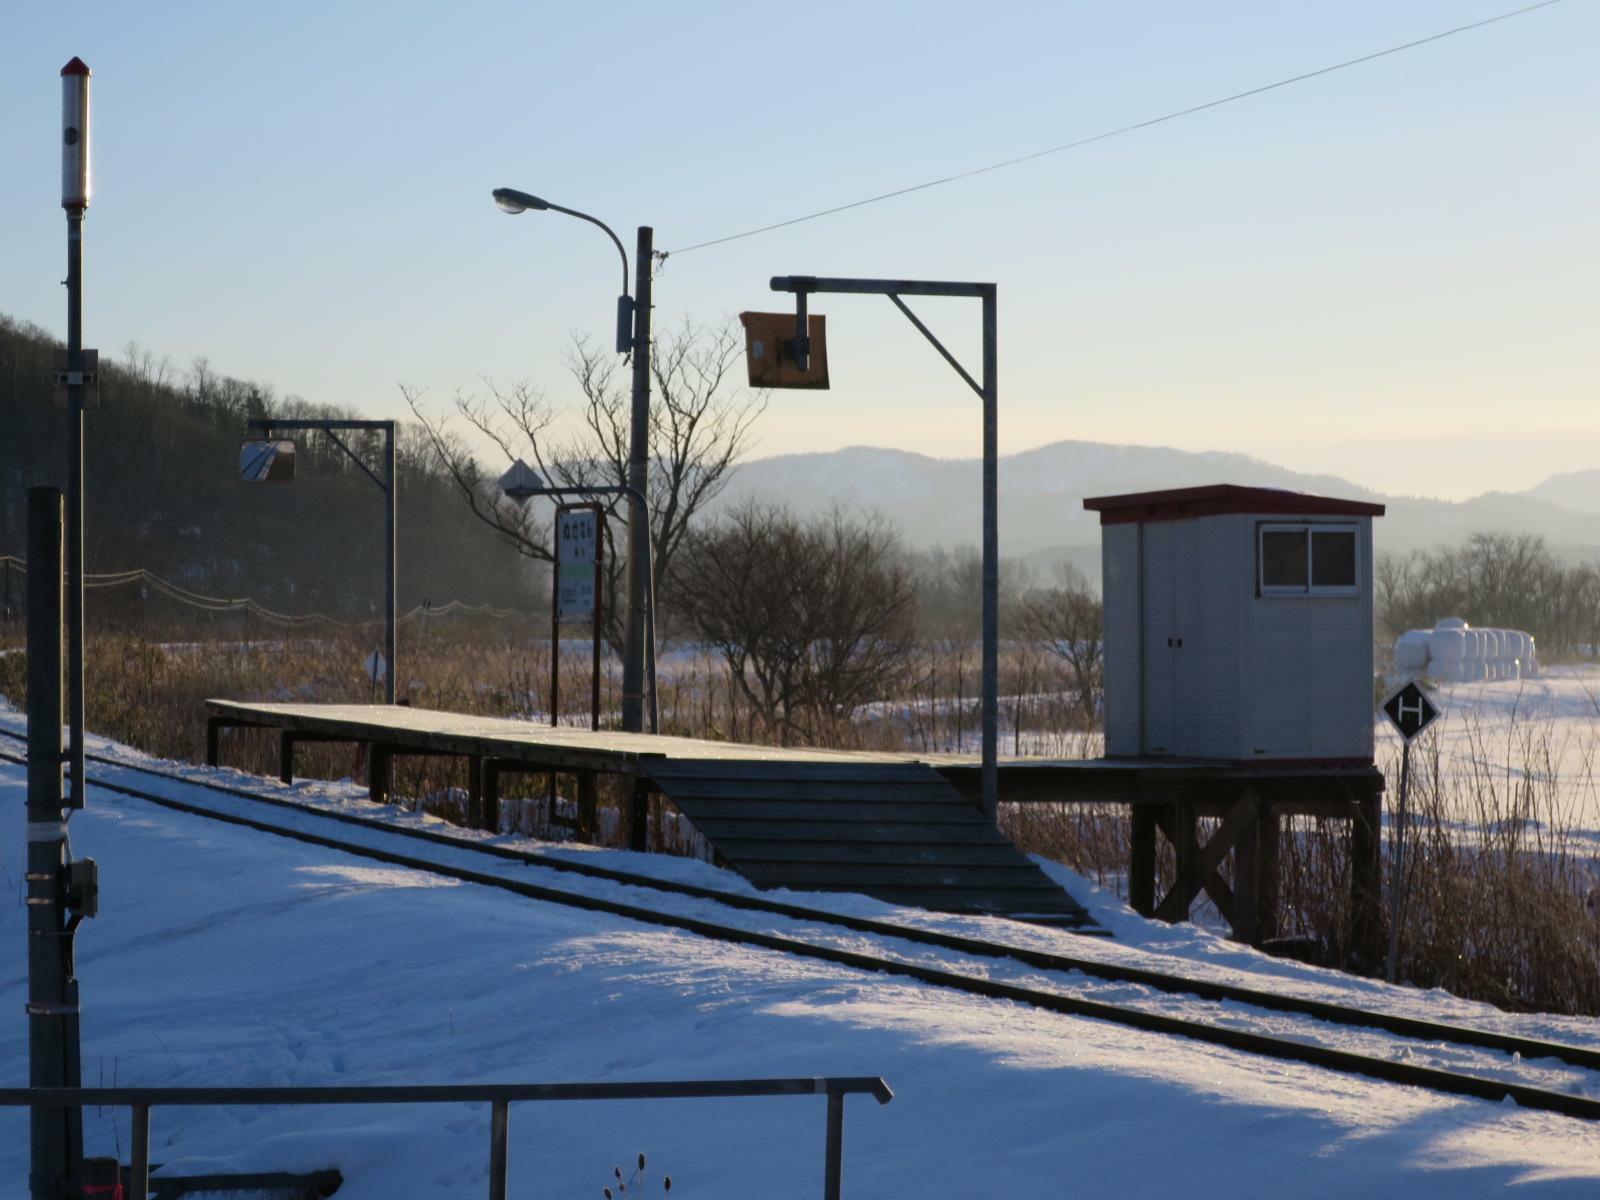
{"x": 1118, "y": 132}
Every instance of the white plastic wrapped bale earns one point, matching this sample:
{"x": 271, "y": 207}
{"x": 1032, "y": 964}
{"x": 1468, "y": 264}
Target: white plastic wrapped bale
{"x": 1411, "y": 650}
{"x": 1447, "y": 645}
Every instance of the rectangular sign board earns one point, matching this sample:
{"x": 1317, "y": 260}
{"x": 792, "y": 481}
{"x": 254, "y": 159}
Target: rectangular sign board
{"x": 577, "y": 556}
{"x": 769, "y": 355}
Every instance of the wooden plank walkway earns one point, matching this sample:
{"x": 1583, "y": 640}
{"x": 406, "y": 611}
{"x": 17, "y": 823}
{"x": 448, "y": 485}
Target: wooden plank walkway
{"x": 883, "y": 825}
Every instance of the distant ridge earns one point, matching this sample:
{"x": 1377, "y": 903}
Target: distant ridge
{"x": 934, "y": 501}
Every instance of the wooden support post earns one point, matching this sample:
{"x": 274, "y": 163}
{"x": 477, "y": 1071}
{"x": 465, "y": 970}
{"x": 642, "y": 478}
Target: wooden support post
{"x": 490, "y": 791}
{"x": 1247, "y": 887}
{"x": 588, "y": 805}
{"x": 1142, "y": 859}
{"x": 1268, "y": 918}
{"x": 1185, "y": 840}
{"x": 378, "y": 773}
{"x": 639, "y": 816}
{"x": 214, "y": 727}
{"x": 1366, "y": 881}
{"x": 285, "y": 756}
{"x": 475, "y": 790}
{"x": 1255, "y": 879}
{"x": 1198, "y": 865}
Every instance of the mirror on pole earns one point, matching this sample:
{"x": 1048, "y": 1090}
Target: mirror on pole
{"x": 266, "y": 460}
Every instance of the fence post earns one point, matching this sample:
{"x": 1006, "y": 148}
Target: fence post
{"x": 834, "y": 1171}
{"x": 499, "y": 1134}
{"x": 139, "y": 1161}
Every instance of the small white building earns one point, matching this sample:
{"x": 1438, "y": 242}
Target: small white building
{"x": 1238, "y": 625}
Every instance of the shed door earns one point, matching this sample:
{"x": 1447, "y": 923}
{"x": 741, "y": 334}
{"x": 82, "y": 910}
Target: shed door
{"x": 1159, "y": 682}
{"x": 1189, "y": 639}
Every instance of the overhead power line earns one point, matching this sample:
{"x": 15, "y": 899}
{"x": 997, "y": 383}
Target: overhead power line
{"x": 1118, "y": 132}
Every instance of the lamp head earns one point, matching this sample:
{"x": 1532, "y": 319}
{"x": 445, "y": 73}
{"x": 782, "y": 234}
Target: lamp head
{"x": 521, "y": 483}
{"x": 512, "y": 201}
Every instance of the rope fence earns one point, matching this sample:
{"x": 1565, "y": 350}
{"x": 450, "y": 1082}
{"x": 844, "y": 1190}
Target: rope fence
{"x": 220, "y": 604}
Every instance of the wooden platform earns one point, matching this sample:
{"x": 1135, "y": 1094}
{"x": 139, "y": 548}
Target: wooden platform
{"x": 884, "y": 825}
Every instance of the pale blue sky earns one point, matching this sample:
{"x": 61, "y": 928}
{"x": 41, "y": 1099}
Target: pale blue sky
{"x": 1387, "y": 273}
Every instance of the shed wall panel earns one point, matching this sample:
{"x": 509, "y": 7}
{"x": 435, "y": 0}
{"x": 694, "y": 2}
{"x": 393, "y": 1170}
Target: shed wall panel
{"x": 1119, "y": 573}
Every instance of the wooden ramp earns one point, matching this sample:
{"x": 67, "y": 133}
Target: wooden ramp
{"x": 894, "y": 831}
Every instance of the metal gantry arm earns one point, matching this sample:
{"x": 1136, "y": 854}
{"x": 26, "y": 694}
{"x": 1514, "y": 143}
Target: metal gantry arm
{"x": 269, "y": 425}
{"x": 802, "y": 286}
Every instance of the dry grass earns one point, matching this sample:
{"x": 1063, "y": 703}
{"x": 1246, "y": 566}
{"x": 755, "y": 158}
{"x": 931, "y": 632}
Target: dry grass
{"x": 1500, "y": 901}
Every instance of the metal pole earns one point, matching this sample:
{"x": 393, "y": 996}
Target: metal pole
{"x": 599, "y": 620}
{"x": 75, "y": 502}
{"x": 650, "y": 660}
{"x": 51, "y": 991}
{"x": 388, "y": 549}
{"x": 633, "y": 642}
{"x": 1397, "y": 872}
{"x": 499, "y": 1151}
{"x": 555, "y": 622}
{"x": 991, "y": 558}
{"x": 139, "y": 1154}
{"x": 833, "y": 1169}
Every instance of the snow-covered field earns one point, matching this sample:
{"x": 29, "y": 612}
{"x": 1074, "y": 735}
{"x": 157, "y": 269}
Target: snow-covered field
{"x": 224, "y": 956}
{"x": 1533, "y": 744}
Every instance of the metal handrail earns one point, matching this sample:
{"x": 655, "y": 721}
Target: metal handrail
{"x": 140, "y": 1100}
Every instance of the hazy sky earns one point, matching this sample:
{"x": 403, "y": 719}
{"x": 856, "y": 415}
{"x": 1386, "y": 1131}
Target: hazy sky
{"x": 1387, "y": 273}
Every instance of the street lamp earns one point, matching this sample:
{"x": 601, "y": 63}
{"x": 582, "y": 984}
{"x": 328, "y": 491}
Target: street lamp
{"x": 521, "y": 483}
{"x": 633, "y": 335}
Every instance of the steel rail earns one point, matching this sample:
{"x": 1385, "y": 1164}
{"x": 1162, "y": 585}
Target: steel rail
{"x": 1205, "y": 989}
{"x": 1342, "y": 1061}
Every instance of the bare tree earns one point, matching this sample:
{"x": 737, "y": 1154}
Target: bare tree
{"x": 813, "y": 618}
{"x": 1067, "y": 619}
{"x": 701, "y": 424}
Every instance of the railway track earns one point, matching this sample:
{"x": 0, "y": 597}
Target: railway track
{"x": 319, "y": 826}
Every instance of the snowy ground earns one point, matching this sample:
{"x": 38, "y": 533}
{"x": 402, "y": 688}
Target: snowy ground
{"x": 1536, "y": 741}
{"x": 224, "y": 956}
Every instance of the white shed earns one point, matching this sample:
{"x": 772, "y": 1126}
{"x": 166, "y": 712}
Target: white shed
{"x": 1238, "y": 625}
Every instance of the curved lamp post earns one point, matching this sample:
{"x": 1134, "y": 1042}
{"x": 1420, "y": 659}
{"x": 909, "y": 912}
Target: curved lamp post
{"x": 633, "y": 335}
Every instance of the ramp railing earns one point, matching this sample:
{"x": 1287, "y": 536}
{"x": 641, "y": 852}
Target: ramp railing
{"x": 500, "y": 1098}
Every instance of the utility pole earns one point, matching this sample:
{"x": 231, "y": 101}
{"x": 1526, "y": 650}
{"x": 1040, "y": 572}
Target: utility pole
{"x": 633, "y": 642}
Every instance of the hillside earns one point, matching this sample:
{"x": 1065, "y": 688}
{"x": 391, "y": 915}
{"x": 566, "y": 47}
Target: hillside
{"x": 161, "y": 459}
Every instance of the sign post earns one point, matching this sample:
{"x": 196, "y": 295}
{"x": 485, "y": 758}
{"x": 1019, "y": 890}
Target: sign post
{"x": 1410, "y": 711}
{"x": 577, "y": 592}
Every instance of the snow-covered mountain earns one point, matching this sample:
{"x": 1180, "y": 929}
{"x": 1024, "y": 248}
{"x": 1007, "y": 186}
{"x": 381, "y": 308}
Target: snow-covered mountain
{"x": 935, "y": 501}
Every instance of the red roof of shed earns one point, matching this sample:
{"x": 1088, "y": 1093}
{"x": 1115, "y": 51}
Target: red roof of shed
{"x": 1218, "y": 499}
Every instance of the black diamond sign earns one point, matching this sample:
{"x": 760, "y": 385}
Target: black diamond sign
{"x": 1410, "y": 711}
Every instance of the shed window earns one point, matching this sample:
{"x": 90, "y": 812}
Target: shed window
{"x": 1308, "y": 560}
